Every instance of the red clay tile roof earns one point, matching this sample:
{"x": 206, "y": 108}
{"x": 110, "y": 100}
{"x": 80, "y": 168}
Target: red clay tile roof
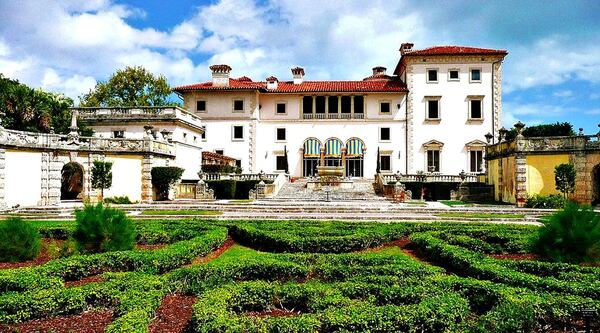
{"x": 271, "y": 79}
{"x": 244, "y": 78}
{"x": 394, "y": 85}
{"x": 446, "y": 50}
{"x": 215, "y": 156}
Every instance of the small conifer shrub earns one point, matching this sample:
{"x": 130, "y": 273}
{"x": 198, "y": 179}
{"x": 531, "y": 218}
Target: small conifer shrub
{"x": 19, "y": 240}
{"x": 103, "y": 229}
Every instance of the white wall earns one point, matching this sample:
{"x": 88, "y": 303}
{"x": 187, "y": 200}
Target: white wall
{"x": 23, "y": 172}
{"x": 189, "y": 158}
{"x": 219, "y": 135}
{"x": 454, "y": 129}
{"x": 127, "y": 177}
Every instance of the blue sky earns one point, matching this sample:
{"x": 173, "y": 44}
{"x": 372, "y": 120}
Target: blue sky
{"x": 552, "y": 72}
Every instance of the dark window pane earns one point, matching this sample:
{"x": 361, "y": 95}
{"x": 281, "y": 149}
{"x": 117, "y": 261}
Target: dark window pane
{"x": 385, "y": 134}
{"x": 432, "y": 75}
{"x": 433, "y": 160}
{"x": 200, "y": 105}
{"x": 280, "y": 162}
{"x": 219, "y": 151}
{"x": 346, "y": 102}
{"x": 386, "y": 162}
{"x": 238, "y": 132}
{"x": 333, "y": 104}
{"x": 359, "y": 102}
{"x": 320, "y": 104}
{"x": 475, "y": 74}
{"x": 204, "y": 133}
{"x": 454, "y": 75}
{"x": 307, "y": 104}
{"x": 385, "y": 107}
{"x": 476, "y": 160}
{"x": 476, "y": 109}
{"x": 238, "y": 105}
{"x": 280, "y": 108}
{"x": 433, "y": 109}
{"x": 281, "y": 134}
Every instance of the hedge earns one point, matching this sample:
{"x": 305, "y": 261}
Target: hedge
{"x": 233, "y": 189}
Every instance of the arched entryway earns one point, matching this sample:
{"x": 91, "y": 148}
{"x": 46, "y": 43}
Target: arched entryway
{"x": 311, "y": 157}
{"x": 333, "y": 152}
{"x": 596, "y": 185}
{"x": 355, "y": 148}
{"x": 71, "y": 181}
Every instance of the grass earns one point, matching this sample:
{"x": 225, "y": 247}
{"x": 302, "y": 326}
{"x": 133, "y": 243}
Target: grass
{"x": 453, "y": 203}
{"x": 181, "y": 212}
{"x": 242, "y": 200}
{"x": 482, "y": 215}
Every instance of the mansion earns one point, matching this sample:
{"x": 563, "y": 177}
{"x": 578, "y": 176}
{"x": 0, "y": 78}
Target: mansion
{"x": 431, "y": 115}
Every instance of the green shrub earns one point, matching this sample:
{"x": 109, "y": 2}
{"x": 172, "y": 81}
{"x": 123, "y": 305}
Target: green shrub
{"x": 124, "y": 200}
{"x": 215, "y": 168}
{"x": 546, "y": 201}
{"x": 19, "y": 240}
{"x": 570, "y": 235}
{"x": 102, "y": 229}
{"x": 232, "y": 189}
{"x": 163, "y": 178}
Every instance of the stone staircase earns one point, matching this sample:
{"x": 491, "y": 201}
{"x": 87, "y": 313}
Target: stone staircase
{"x": 362, "y": 190}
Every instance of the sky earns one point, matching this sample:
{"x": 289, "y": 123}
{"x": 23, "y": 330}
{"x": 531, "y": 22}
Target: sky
{"x": 552, "y": 72}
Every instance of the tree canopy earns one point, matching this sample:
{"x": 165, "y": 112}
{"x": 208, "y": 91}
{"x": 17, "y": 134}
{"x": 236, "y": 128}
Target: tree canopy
{"x": 132, "y": 86}
{"x": 544, "y": 130}
{"x": 25, "y": 109}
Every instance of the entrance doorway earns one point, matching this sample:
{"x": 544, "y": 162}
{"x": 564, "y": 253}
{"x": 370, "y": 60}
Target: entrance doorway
{"x": 354, "y": 167}
{"x": 71, "y": 181}
{"x": 311, "y": 157}
{"x": 596, "y": 185}
{"x": 310, "y": 166}
{"x": 355, "y": 149}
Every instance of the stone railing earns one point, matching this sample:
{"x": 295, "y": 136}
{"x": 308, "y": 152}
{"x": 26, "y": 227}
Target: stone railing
{"x": 430, "y": 178}
{"x": 140, "y": 112}
{"x": 20, "y": 139}
{"x": 307, "y": 116}
{"x": 240, "y": 177}
{"x": 555, "y": 144}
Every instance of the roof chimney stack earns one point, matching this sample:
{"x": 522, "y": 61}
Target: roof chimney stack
{"x": 298, "y": 73}
{"x": 272, "y": 82}
{"x": 406, "y": 47}
{"x": 379, "y": 70}
{"x": 220, "y": 75}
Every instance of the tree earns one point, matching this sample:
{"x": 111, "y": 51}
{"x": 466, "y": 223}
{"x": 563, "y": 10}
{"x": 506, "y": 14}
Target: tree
{"x": 25, "y": 109}
{"x": 132, "y": 86}
{"x": 564, "y": 177}
{"x": 101, "y": 176}
{"x": 163, "y": 178}
{"x": 544, "y": 130}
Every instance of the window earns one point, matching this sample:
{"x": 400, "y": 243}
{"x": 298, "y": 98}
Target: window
{"x": 203, "y": 137}
{"x": 238, "y": 132}
{"x": 238, "y": 163}
{"x": 476, "y": 160}
{"x": 333, "y": 104}
{"x": 238, "y": 105}
{"x": 475, "y": 110}
{"x": 346, "y": 103}
{"x": 320, "y": 104}
{"x": 433, "y": 109}
{"x": 280, "y": 135}
{"x": 219, "y": 151}
{"x": 120, "y": 134}
{"x": 432, "y": 75}
{"x": 384, "y": 134}
{"x": 280, "y": 163}
{"x": 433, "y": 161}
{"x": 280, "y": 108}
{"x": 359, "y": 102}
{"x": 307, "y": 105}
{"x": 384, "y": 108}
{"x": 475, "y": 75}
{"x": 453, "y": 75}
{"x": 385, "y": 163}
{"x": 200, "y": 106}
{"x": 184, "y": 137}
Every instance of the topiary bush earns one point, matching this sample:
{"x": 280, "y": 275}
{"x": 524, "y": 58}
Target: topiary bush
{"x": 122, "y": 200}
{"x": 546, "y": 201}
{"x": 19, "y": 240}
{"x": 163, "y": 178}
{"x": 570, "y": 235}
{"x": 102, "y": 229}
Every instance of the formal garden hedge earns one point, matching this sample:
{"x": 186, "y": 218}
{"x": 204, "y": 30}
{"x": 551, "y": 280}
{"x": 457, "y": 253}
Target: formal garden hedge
{"x": 309, "y": 276}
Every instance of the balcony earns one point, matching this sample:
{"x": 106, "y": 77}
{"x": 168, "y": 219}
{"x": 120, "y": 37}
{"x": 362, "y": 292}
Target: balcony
{"x": 96, "y": 114}
{"x": 332, "y": 116}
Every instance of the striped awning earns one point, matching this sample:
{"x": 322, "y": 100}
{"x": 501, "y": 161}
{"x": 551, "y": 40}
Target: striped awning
{"x": 312, "y": 148}
{"x": 333, "y": 147}
{"x": 354, "y": 147}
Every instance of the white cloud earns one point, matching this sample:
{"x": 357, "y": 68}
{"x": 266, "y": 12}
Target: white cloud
{"x": 563, "y": 93}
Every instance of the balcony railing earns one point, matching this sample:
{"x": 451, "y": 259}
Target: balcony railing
{"x": 431, "y": 178}
{"x": 308, "y": 116}
{"x": 544, "y": 144}
{"x": 140, "y": 112}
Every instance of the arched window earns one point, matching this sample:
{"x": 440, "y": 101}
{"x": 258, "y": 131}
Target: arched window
{"x": 355, "y": 149}
{"x": 333, "y": 152}
{"x": 311, "y": 157}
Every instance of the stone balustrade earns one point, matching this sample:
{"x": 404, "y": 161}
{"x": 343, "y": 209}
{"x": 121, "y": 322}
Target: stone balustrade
{"x": 556, "y": 144}
{"x": 136, "y": 113}
{"x": 20, "y": 139}
{"x": 240, "y": 177}
{"x": 430, "y": 178}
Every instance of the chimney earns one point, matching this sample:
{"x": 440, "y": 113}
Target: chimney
{"x": 379, "y": 70}
{"x": 406, "y": 47}
{"x": 220, "y": 75}
{"x": 272, "y": 82}
{"x": 298, "y": 73}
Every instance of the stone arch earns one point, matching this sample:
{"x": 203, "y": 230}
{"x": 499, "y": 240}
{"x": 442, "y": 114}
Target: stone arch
{"x": 596, "y": 185}
{"x": 72, "y": 181}
{"x": 355, "y": 147}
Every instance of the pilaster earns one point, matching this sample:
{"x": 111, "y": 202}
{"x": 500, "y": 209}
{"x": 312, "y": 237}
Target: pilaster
{"x": 54, "y": 180}
{"x": 147, "y": 192}
{"x": 409, "y": 119}
{"x": 497, "y": 97}
{"x": 2, "y": 177}
{"x": 583, "y": 178}
{"x": 521, "y": 179}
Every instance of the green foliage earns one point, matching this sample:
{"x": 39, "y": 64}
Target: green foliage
{"x": 118, "y": 200}
{"x": 103, "y": 229}
{"x": 34, "y": 110}
{"x": 19, "y": 240}
{"x": 102, "y": 175}
{"x": 232, "y": 189}
{"x": 546, "y": 201}
{"x": 215, "y": 168}
{"x": 163, "y": 178}
{"x": 564, "y": 177}
{"x": 570, "y": 235}
{"x": 544, "y": 130}
{"x": 132, "y": 86}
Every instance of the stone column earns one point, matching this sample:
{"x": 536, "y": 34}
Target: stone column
{"x": 322, "y": 157}
{"x": 45, "y": 180}
{"x": 147, "y": 192}
{"x": 583, "y": 178}
{"x": 2, "y": 176}
{"x": 314, "y": 105}
{"x": 327, "y": 106}
{"x": 521, "y": 179}
{"x": 344, "y": 161}
{"x": 352, "y": 106}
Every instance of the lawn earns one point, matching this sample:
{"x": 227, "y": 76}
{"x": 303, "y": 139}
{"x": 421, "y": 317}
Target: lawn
{"x": 482, "y": 215}
{"x": 303, "y": 276}
{"x": 182, "y": 212}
